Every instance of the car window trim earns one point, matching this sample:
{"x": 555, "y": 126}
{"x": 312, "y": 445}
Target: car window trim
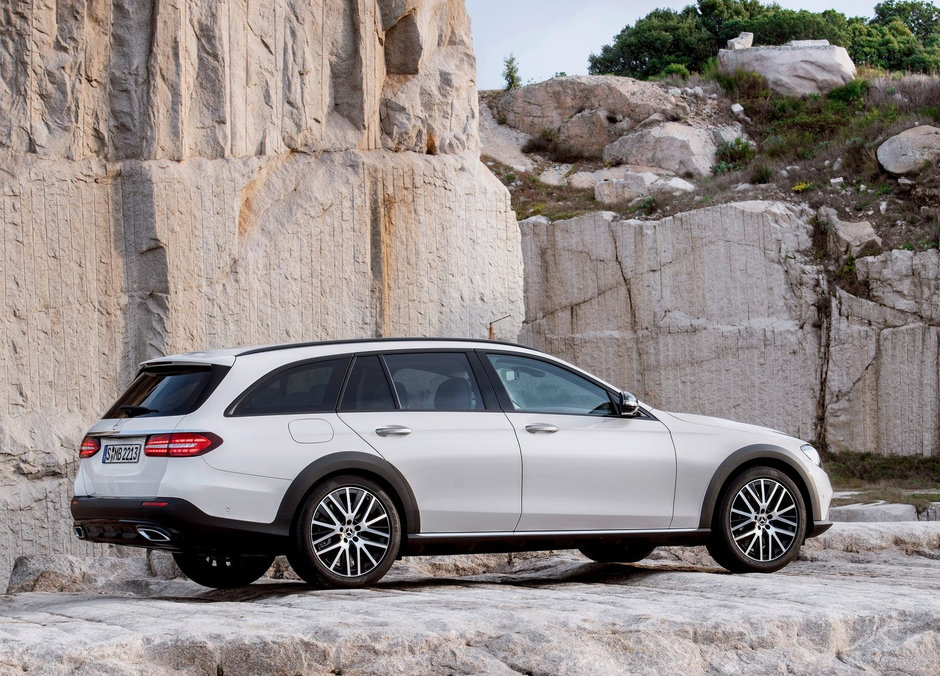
{"x": 230, "y": 411}
{"x": 484, "y": 387}
{"x": 388, "y": 382}
{"x": 506, "y": 402}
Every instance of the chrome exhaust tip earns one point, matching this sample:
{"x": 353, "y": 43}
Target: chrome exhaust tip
{"x": 152, "y": 534}
{"x": 79, "y": 532}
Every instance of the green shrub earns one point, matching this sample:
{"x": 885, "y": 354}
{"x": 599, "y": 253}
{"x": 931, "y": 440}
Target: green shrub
{"x": 511, "y": 73}
{"x": 852, "y": 93}
{"x": 546, "y": 143}
{"x": 761, "y": 174}
{"x": 676, "y": 69}
{"x": 744, "y": 86}
{"x": 732, "y": 156}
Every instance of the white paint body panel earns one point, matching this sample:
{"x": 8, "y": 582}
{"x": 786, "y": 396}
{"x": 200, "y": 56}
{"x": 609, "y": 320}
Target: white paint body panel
{"x": 595, "y": 473}
{"x": 463, "y": 467}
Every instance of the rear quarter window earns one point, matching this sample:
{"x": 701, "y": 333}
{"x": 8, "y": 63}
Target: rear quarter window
{"x": 163, "y": 390}
{"x": 309, "y": 387}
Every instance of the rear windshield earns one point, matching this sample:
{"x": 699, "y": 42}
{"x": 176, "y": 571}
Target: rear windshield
{"x": 167, "y": 390}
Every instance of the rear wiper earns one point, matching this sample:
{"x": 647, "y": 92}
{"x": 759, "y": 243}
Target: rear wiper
{"x": 133, "y": 411}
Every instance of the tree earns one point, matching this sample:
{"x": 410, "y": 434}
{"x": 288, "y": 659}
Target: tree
{"x": 511, "y": 73}
{"x": 661, "y": 38}
{"x": 904, "y": 35}
{"x": 922, "y": 18}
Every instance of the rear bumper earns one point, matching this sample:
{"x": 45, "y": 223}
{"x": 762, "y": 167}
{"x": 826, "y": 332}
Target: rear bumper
{"x": 171, "y": 524}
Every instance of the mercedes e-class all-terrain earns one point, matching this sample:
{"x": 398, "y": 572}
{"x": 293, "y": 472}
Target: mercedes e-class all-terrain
{"x": 347, "y": 455}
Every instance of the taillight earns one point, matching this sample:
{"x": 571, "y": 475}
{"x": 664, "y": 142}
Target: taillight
{"x": 180, "y": 444}
{"x": 90, "y": 446}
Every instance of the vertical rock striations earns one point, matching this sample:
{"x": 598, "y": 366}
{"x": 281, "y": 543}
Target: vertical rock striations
{"x": 185, "y": 174}
{"x": 722, "y": 311}
{"x": 705, "y": 311}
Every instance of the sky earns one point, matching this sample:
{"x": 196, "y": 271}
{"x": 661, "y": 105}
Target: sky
{"x": 553, "y": 36}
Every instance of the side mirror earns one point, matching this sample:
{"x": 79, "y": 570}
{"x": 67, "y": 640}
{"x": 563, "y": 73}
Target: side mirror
{"x": 628, "y": 405}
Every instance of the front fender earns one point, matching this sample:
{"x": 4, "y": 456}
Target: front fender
{"x": 757, "y": 454}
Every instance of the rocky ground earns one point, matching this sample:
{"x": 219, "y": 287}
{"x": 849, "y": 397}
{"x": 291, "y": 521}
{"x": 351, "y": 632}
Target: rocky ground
{"x": 863, "y": 598}
{"x": 546, "y": 143}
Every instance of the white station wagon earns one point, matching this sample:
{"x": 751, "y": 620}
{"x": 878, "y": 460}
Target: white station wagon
{"x": 348, "y": 455}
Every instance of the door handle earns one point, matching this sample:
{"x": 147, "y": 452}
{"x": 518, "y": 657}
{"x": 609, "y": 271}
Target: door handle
{"x": 540, "y": 428}
{"x": 393, "y": 431}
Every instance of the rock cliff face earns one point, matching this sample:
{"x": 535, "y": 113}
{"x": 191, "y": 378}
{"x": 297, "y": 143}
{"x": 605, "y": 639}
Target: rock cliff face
{"x": 187, "y": 174}
{"x": 723, "y": 311}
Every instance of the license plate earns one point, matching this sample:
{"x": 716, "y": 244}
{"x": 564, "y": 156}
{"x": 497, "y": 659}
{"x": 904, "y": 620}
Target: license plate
{"x": 122, "y": 451}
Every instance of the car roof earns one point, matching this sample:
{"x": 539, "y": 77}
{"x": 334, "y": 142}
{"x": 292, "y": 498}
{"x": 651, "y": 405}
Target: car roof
{"x": 227, "y": 356}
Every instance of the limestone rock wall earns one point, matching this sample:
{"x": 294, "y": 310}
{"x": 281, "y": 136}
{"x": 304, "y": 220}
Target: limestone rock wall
{"x": 884, "y": 353}
{"x": 189, "y": 174}
{"x": 149, "y": 79}
{"x": 723, "y": 311}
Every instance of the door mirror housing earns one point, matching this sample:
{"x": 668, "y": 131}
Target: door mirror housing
{"x": 629, "y": 406}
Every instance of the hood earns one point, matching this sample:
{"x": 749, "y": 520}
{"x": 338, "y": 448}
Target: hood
{"x": 721, "y": 423}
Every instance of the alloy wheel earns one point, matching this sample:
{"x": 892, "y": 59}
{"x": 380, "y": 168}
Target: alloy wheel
{"x": 764, "y": 520}
{"x": 350, "y": 532}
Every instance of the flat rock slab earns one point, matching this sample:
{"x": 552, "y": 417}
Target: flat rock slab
{"x": 873, "y": 512}
{"x": 861, "y": 599}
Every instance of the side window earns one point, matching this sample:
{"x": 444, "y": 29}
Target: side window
{"x": 367, "y": 389}
{"x": 434, "y": 381}
{"x": 305, "y": 388}
{"x": 537, "y": 386}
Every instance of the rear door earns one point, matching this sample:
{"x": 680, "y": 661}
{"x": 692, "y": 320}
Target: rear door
{"x": 584, "y": 467}
{"x": 431, "y": 416}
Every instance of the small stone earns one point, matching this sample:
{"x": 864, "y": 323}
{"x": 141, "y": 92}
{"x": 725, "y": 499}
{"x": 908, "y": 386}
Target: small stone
{"x": 837, "y": 181}
{"x": 744, "y": 41}
{"x": 737, "y": 109}
{"x": 883, "y": 207}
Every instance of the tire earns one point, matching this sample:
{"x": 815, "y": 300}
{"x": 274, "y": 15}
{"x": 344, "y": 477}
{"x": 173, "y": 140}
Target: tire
{"x": 626, "y": 552}
{"x": 223, "y": 571}
{"x": 347, "y": 534}
{"x": 760, "y": 523}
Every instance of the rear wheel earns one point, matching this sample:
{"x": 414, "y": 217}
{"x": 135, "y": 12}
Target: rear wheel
{"x": 760, "y": 524}
{"x": 347, "y": 534}
{"x": 627, "y": 552}
{"x": 223, "y": 571}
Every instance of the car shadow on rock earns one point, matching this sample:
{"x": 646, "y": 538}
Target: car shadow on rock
{"x": 577, "y": 573}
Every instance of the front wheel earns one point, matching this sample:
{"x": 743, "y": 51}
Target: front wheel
{"x": 223, "y": 571}
{"x": 760, "y": 524}
{"x": 347, "y": 534}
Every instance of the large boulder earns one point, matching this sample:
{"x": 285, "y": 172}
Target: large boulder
{"x": 910, "y": 150}
{"x": 676, "y": 147}
{"x": 588, "y": 111}
{"x": 798, "y": 68}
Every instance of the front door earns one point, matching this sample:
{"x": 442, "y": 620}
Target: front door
{"x": 584, "y": 467}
